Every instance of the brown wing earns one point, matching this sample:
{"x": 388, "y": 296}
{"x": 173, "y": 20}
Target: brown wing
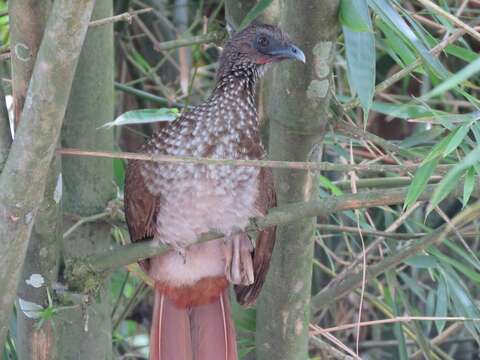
{"x": 141, "y": 207}
{"x": 247, "y": 295}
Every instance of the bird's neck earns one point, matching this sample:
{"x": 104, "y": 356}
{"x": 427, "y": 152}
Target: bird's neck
{"x": 238, "y": 82}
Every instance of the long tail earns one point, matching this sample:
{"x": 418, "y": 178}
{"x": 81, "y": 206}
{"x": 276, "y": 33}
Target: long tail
{"x": 203, "y": 332}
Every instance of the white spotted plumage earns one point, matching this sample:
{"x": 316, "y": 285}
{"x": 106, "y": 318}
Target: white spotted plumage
{"x": 198, "y": 198}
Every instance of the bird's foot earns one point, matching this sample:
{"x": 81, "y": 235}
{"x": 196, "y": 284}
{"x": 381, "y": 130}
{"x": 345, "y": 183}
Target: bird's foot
{"x": 238, "y": 259}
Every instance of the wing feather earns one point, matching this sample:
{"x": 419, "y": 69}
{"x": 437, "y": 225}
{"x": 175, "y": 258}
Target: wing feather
{"x": 247, "y": 295}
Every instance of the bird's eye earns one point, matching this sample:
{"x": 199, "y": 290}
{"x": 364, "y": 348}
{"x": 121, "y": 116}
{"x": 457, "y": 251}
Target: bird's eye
{"x": 262, "y": 41}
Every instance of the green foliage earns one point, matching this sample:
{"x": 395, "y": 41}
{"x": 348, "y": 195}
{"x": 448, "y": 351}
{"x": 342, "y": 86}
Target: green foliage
{"x": 144, "y": 116}
{"x": 360, "y": 50}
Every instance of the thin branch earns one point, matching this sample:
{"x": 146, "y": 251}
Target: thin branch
{"x": 85, "y": 220}
{"x": 127, "y": 16}
{"x": 382, "y": 182}
{"x": 390, "y": 321}
{"x": 355, "y": 132}
{"x": 147, "y": 96}
{"x": 79, "y": 269}
{"x": 455, "y": 20}
{"x": 297, "y": 165}
{"x": 216, "y": 37}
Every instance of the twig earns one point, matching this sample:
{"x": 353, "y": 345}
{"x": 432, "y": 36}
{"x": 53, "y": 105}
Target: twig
{"x": 319, "y": 343}
{"x": 382, "y": 182}
{"x": 390, "y": 321}
{"x": 147, "y": 96}
{"x": 354, "y": 230}
{"x": 439, "y": 11}
{"x": 85, "y": 220}
{"x": 216, "y": 37}
{"x": 127, "y": 16}
{"x": 297, "y": 165}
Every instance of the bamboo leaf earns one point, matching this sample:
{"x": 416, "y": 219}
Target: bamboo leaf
{"x": 456, "y": 140}
{"x": 438, "y": 149}
{"x": 254, "y": 13}
{"x": 451, "y": 179}
{"x": 419, "y": 182}
{"x": 454, "y": 80}
{"x": 387, "y": 12}
{"x": 397, "y": 45}
{"x": 422, "y": 261}
{"x": 468, "y": 186}
{"x": 352, "y": 15}
{"x": 144, "y": 116}
{"x": 402, "y": 111}
{"x": 449, "y": 120}
{"x": 441, "y": 305}
{"x": 361, "y": 60}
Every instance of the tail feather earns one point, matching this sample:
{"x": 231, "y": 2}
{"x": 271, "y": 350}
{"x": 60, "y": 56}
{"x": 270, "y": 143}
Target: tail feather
{"x": 203, "y": 332}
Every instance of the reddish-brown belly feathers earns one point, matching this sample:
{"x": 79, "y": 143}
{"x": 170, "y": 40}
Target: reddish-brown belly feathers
{"x": 204, "y": 291}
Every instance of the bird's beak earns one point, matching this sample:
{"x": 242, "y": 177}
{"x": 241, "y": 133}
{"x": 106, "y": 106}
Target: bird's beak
{"x": 289, "y": 51}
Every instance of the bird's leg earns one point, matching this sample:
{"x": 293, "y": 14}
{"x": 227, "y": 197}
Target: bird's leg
{"x": 238, "y": 259}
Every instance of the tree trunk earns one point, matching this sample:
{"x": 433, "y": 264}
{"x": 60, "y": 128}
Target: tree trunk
{"x": 85, "y": 331}
{"x": 24, "y": 176}
{"x": 296, "y": 102}
{"x": 27, "y": 23}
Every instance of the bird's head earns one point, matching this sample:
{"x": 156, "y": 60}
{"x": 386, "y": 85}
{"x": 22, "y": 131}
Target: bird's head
{"x": 257, "y": 46}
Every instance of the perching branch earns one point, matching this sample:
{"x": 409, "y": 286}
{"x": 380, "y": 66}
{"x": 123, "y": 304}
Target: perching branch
{"x": 23, "y": 179}
{"x": 81, "y": 271}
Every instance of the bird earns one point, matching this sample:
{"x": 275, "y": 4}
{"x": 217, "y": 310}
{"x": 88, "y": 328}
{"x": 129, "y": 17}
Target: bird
{"x": 174, "y": 204}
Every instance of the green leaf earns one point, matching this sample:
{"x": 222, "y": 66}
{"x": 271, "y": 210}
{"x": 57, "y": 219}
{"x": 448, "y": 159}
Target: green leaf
{"x": 419, "y": 182}
{"x": 456, "y": 140}
{"x": 387, "y": 12}
{"x": 450, "y": 120}
{"x": 441, "y": 305}
{"x": 361, "y": 60}
{"x": 453, "y": 176}
{"x": 422, "y": 261}
{"x": 468, "y": 185}
{"x": 397, "y": 45}
{"x": 402, "y": 111}
{"x": 119, "y": 172}
{"x": 144, "y": 116}
{"x": 254, "y": 13}
{"x": 438, "y": 149}
{"x": 462, "y": 301}
{"x": 352, "y": 15}
{"x": 326, "y": 183}
{"x": 454, "y": 80}
{"x": 460, "y": 266}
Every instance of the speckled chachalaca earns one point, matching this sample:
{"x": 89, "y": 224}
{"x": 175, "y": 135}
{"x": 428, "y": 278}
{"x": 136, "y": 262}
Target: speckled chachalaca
{"x": 174, "y": 204}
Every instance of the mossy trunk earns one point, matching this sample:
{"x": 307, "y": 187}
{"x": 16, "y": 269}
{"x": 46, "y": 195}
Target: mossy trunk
{"x": 24, "y": 177}
{"x": 27, "y": 23}
{"x": 296, "y": 102}
{"x": 84, "y": 332}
